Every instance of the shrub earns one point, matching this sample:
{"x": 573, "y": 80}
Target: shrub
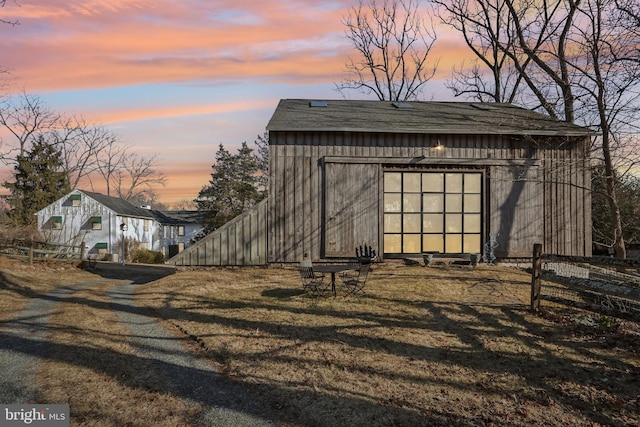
{"x": 145, "y": 256}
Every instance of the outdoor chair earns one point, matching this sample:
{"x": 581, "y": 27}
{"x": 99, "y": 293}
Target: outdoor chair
{"x": 353, "y": 282}
{"x": 312, "y": 281}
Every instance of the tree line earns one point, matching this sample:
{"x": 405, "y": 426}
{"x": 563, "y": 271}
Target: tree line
{"x": 50, "y": 153}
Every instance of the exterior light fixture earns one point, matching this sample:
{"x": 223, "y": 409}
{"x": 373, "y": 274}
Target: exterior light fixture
{"x": 123, "y": 228}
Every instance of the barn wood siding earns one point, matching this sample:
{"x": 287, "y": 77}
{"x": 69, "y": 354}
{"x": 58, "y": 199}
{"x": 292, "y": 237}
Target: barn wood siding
{"x": 240, "y": 242}
{"x": 567, "y": 198}
{"x": 557, "y": 204}
{"x": 515, "y": 209}
{"x": 352, "y": 207}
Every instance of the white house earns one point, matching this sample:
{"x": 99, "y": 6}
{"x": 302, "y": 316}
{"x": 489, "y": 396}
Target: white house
{"x": 101, "y": 222}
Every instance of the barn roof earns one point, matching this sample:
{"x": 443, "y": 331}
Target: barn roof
{"x": 416, "y": 117}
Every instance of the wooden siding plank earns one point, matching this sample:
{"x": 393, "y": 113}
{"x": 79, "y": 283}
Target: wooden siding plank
{"x": 352, "y": 197}
{"x": 515, "y": 210}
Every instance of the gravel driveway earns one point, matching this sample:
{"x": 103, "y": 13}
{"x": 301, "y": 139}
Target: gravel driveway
{"x": 23, "y": 348}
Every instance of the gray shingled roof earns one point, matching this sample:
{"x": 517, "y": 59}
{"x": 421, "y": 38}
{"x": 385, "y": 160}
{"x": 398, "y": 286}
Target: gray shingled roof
{"x": 120, "y": 206}
{"x": 419, "y": 117}
{"x": 179, "y": 217}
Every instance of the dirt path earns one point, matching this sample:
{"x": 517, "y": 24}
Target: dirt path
{"x": 23, "y": 348}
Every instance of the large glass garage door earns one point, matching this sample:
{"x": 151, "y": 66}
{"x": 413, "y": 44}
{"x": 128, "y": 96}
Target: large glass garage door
{"x": 432, "y": 211}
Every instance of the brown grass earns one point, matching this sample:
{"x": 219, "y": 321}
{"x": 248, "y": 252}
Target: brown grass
{"x": 93, "y": 367}
{"x": 20, "y": 281}
{"x": 424, "y": 346}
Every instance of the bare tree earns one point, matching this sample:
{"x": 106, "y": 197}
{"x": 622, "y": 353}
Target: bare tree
{"x": 629, "y": 14}
{"x": 393, "y": 43}
{"x": 109, "y": 163}
{"x": 184, "y": 205}
{"x": 25, "y": 117}
{"x": 137, "y": 176}
{"x": 81, "y": 144}
{"x": 572, "y": 59}
{"x": 89, "y": 151}
{"x": 488, "y": 30}
{"x": 523, "y": 47}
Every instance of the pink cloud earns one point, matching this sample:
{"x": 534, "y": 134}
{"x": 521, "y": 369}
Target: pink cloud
{"x": 125, "y": 115}
{"x": 88, "y": 44}
{"x": 64, "y": 45}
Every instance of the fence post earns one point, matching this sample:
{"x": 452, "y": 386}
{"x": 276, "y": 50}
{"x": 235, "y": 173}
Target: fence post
{"x": 82, "y": 251}
{"x": 31, "y": 254}
{"x": 536, "y": 271}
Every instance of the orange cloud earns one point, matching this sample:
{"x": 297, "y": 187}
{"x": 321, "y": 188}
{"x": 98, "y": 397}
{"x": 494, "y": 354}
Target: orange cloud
{"x": 99, "y": 44}
{"x": 183, "y": 182}
{"x": 74, "y": 45}
{"x": 125, "y": 115}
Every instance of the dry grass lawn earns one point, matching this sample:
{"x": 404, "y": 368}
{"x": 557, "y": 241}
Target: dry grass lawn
{"x": 20, "y": 281}
{"x": 423, "y": 347}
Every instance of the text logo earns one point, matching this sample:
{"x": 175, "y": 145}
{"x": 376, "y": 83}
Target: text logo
{"x": 34, "y": 415}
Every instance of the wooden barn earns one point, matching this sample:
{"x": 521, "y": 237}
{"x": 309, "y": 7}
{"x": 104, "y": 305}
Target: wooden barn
{"x": 413, "y": 177}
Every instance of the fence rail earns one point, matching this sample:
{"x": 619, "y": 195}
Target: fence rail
{"x": 607, "y": 286}
{"x": 42, "y": 251}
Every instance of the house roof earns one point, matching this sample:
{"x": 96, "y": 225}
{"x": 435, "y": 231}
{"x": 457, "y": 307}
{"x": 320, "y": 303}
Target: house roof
{"x": 179, "y": 217}
{"x": 124, "y": 208}
{"x": 120, "y": 206}
{"x": 416, "y": 117}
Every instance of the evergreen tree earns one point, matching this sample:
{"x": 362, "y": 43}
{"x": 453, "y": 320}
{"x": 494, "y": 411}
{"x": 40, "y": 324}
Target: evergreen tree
{"x": 233, "y": 187}
{"x": 39, "y": 181}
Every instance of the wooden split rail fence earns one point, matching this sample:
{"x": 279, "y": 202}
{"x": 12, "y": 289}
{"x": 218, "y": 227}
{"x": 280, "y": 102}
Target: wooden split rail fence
{"x": 607, "y": 286}
{"x": 42, "y": 251}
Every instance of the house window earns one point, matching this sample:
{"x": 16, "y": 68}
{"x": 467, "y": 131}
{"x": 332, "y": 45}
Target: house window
{"x": 101, "y": 248}
{"x": 180, "y": 246}
{"x": 146, "y": 225}
{"x": 56, "y": 222}
{"x": 432, "y": 212}
{"x": 96, "y": 223}
{"x": 75, "y": 199}
{"x": 181, "y": 230}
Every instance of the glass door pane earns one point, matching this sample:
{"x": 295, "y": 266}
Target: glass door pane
{"x": 411, "y": 244}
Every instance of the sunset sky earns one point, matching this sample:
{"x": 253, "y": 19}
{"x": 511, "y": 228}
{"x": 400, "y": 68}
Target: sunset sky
{"x": 178, "y": 78}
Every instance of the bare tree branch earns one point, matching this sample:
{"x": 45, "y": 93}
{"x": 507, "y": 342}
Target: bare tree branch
{"x": 5, "y": 21}
{"x": 24, "y": 117}
{"x": 393, "y": 43}
{"x": 579, "y": 62}
{"x": 137, "y": 176}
